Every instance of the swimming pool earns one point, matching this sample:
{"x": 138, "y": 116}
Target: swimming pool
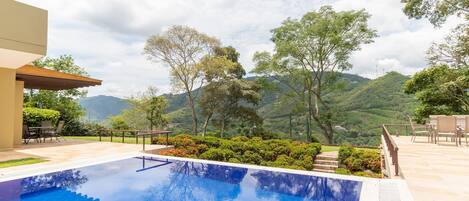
{"x": 153, "y": 178}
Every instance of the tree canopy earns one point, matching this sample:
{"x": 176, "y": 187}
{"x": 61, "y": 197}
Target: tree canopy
{"x": 440, "y": 90}
{"x": 227, "y": 96}
{"x": 311, "y": 50}
{"x": 182, "y": 48}
{"x": 437, "y": 11}
{"x": 147, "y": 111}
{"x": 63, "y": 101}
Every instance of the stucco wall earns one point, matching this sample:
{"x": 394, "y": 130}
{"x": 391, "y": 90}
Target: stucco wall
{"x": 23, "y": 28}
{"x": 19, "y": 93}
{"x": 7, "y": 107}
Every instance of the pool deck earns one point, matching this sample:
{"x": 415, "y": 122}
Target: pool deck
{"x": 67, "y": 152}
{"x": 434, "y": 172}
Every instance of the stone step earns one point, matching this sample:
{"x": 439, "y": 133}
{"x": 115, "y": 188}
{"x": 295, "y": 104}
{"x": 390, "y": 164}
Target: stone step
{"x": 325, "y": 167}
{"x": 326, "y": 158}
{"x": 326, "y": 162}
{"x": 321, "y": 170}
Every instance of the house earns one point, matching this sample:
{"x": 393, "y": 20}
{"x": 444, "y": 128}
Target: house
{"x": 23, "y": 39}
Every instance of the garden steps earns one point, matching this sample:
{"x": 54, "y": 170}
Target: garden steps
{"x": 326, "y": 162}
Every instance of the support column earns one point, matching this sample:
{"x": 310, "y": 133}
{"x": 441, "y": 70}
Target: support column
{"x": 7, "y": 107}
{"x": 19, "y": 93}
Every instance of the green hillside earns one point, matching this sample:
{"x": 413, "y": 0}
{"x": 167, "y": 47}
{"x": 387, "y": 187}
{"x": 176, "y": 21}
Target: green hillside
{"x": 99, "y": 108}
{"x": 362, "y": 106}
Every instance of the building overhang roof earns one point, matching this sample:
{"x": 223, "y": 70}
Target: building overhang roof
{"x": 42, "y": 78}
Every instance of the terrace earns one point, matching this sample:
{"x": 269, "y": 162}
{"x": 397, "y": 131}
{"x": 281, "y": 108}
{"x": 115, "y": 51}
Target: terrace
{"x": 433, "y": 170}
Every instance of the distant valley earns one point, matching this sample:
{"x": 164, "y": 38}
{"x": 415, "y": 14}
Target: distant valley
{"x": 362, "y": 105}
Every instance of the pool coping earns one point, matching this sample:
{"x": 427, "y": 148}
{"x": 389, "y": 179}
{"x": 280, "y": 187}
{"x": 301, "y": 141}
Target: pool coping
{"x": 370, "y": 190}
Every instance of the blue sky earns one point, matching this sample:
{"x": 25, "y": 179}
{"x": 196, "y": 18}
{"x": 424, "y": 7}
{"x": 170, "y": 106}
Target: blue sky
{"x": 106, "y": 37}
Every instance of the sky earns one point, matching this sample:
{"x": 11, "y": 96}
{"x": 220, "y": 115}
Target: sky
{"x": 107, "y": 37}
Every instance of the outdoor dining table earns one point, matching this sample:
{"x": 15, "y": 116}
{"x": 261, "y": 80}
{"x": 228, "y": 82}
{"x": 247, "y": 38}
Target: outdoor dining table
{"x": 434, "y": 134}
{"x": 41, "y": 131}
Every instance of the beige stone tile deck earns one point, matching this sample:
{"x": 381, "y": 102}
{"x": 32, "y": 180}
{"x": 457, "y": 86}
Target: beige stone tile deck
{"x": 434, "y": 172}
{"x": 68, "y": 151}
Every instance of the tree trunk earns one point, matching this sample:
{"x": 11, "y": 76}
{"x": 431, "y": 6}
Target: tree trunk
{"x": 207, "y": 119}
{"x": 324, "y": 125}
{"x": 194, "y": 114}
{"x": 222, "y": 128}
{"x": 308, "y": 118}
{"x": 290, "y": 132}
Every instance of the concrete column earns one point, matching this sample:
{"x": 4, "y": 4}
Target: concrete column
{"x": 19, "y": 93}
{"x": 7, "y": 107}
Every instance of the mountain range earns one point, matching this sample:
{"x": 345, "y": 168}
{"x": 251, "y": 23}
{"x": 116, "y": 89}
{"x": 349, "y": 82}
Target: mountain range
{"x": 362, "y": 106}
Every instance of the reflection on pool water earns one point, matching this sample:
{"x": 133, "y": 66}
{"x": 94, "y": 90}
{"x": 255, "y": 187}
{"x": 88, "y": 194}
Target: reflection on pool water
{"x": 176, "y": 180}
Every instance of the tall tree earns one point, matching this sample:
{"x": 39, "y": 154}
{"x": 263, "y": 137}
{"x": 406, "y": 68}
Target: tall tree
{"x": 437, "y": 11}
{"x": 147, "y": 110}
{"x": 296, "y": 79}
{"x": 63, "y": 101}
{"x": 440, "y": 90}
{"x": 181, "y": 48}
{"x": 227, "y": 96}
{"x": 319, "y": 45}
{"x": 453, "y": 51}
{"x": 443, "y": 87}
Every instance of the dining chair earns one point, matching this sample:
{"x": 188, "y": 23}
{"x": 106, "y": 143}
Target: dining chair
{"x": 418, "y": 130}
{"x": 58, "y": 131}
{"x": 446, "y": 127}
{"x": 46, "y": 130}
{"x": 28, "y": 135}
{"x": 465, "y": 132}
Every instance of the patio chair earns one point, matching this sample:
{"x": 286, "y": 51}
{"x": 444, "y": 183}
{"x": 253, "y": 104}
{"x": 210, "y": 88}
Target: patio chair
{"x": 28, "y": 135}
{"x": 446, "y": 127}
{"x": 465, "y": 131}
{"x": 419, "y": 130}
{"x": 58, "y": 131}
{"x": 46, "y": 130}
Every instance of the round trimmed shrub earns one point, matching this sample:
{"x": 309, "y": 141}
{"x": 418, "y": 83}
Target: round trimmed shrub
{"x": 34, "y": 116}
{"x": 251, "y": 157}
{"x": 218, "y": 154}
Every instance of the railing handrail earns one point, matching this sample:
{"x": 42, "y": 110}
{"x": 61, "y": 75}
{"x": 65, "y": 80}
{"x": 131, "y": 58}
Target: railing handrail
{"x": 392, "y": 148}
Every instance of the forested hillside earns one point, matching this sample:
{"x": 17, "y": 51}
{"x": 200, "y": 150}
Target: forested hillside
{"x": 99, "y": 108}
{"x": 362, "y": 105}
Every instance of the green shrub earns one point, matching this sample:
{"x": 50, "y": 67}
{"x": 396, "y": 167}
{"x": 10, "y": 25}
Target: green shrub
{"x": 34, "y": 116}
{"x": 251, "y": 158}
{"x": 345, "y": 152}
{"x": 212, "y": 142}
{"x": 268, "y": 155}
{"x": 307, "y": 162}
{"x": 342, "y": 171}
{"x": 240, "y": 139}
{"x": 276, "y": 153}
{"x": 302, "y": 150}
{"x": 218, "y": 154}
{"x": 236, "y": 146}
{"x": 360, "y": 160}
{"x": 367, "y": 174}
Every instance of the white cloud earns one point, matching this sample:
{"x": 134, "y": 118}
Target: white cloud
{"x": 107, "y": 36}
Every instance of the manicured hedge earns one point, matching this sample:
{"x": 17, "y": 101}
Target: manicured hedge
{"x": 276, "y": 153}
{"x": 360, "y": 162}
{"x": 34, "y": 116}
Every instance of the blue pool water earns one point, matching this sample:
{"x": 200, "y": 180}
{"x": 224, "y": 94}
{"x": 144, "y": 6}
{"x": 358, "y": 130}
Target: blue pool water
{"x": 142, "y": 179}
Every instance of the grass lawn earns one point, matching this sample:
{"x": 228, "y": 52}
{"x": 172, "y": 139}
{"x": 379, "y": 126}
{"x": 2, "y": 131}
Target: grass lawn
{"x": 326, "y": 148}
{"x": 329, "y": 148}
{"x": 128, "y": 140}
{"x": 18, "y": 162}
